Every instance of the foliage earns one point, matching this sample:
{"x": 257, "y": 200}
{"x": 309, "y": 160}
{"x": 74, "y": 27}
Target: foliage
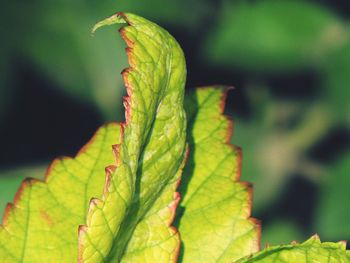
{"x": 311, "y": 250}
{"x": 131, "y": 218}
{"x": 291, "y": 105}
{"x": 82, "y": 68}
{"x": 131, "y": 222}
{"x": 216, "y": 205}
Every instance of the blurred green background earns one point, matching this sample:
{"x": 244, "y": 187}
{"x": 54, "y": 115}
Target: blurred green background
{"x": 289, "y": 62}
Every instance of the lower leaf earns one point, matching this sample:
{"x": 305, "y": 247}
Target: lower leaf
{"x": 311, "y": 251}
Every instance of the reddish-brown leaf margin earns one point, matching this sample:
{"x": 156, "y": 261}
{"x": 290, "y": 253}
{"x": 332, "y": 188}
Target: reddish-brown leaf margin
{"x": 237, "y": 177}
{"x": 28, "y": 182}
{"x": 127, "y": 102}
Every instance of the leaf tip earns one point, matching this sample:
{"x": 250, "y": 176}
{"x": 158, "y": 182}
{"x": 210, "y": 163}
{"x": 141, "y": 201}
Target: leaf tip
{"x": 82, "y": 229}
{"x": 117, "y": 18}
{"x": 343, "y": 244}
{"x": 257, "y": 227}
{"x": 27, "y": 182}
{"x": 316, "y": 237}
{"x": 94, "y": 202}
{"x": 116, "y": 152}
{"x": 174, "y": 204}
{"x": 109, "y": 171}
{"x": 7, "y": 212}
{"x": 224, "y": 94}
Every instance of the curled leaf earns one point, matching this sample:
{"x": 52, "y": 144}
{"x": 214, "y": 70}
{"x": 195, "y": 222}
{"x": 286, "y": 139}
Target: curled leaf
{"x": 132, "y": 220}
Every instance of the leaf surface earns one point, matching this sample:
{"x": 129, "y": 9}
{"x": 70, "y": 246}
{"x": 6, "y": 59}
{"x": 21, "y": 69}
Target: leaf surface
{"x": 11, "y": 178}
{"x": 311, "y": 251}
{"x": 215, "y": 225}
{"x": 131, "y": 222}
{"x": 82, "y": 67}
{"x": 41, "y": 225}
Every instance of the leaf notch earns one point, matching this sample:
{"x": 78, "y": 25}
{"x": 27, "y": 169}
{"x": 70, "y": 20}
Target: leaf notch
{"x": 149, "y": 106}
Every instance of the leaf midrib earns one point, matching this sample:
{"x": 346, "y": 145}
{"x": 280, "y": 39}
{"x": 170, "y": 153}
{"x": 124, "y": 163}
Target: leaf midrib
{"x": 169, "y": 68}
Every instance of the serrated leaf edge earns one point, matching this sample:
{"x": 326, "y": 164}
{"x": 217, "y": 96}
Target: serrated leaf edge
{"x": 237, "y": 177}
{"x": 127, "y": 100}
{"x": 29, "y": 182}
{"x": 295, "y": 244}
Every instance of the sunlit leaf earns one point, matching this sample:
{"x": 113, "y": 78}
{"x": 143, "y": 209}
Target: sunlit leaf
{"x": 41, "y": 225}
{"x": 215, "y": 224}
{"x": 132, "y": 220}
{"x": 11, "y": 178}
{"x": 311, "y": 251}
{"x": 55, "y": 38}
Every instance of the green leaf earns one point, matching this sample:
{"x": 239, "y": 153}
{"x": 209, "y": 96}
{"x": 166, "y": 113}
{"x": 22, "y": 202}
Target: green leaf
{"x": 131, "y": 222}
{"x": 10, "y": 179}
{"x": 274, "y": 36}
{"x": 174, "y": 13}
{"x": 130, "y": 217}
{"x": 55, "y": 38}
{"x": 215, "y": 225}
{"x": 41, "y": 225}
{"x": 311, "y": 250}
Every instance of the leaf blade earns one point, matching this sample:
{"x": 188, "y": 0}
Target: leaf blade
{"x": 152, "y": 146}
{"x": 311, "y": 250}
{"x": 46, "y": 210}
{"x": 215, "y": 225}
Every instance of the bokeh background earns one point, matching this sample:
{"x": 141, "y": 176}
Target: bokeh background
{"x": 289, "y": 62}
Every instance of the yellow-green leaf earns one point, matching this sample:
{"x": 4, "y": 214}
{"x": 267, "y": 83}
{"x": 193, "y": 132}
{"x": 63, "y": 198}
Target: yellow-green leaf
{"x": 131, "y": 222}
{"x": 311, "y": 251}
{"x": 41, "y": 225}
{"x": 215, "y": 225}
